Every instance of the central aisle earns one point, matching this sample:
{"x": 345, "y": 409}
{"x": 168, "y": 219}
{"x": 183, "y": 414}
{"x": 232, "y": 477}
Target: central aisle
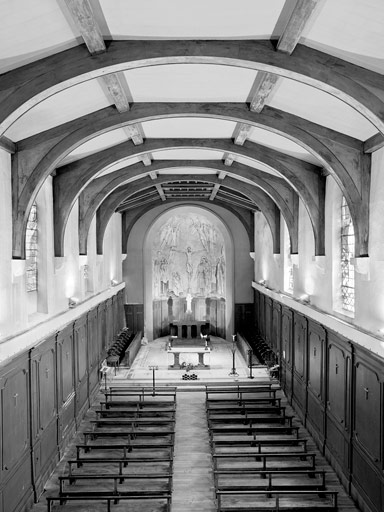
{"x": 193, "y": 488}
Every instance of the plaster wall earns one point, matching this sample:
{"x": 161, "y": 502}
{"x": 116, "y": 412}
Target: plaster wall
{"x": 319, "y": 276}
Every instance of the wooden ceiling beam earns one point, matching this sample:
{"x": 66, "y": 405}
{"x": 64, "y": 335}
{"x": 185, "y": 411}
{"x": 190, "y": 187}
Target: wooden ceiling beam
{"x": 214, "y": 192}
{"x": 82, "y": 15}
{"x": 114, "y": 84}
{"x": 261, "y": 90}
{"x": 134, "y": 132}
{"x": 8, "y": 145}
{"x": 296, "y": 25}
{"x": 161, "y": 192}
{"x": 374, "y": 143}
{"x": 229, "y": 159}
{"x": 241, "y": 134}
{"x": 265, "y": 82}
{"x": 146, "y": 159}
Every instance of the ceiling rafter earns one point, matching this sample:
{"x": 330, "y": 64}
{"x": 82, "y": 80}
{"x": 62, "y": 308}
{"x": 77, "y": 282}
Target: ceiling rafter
{"x": 214, "y": 191}
{"x": 83, "y": 16}
{"x": 266, "y": 82}
{"x": 161, "y": 192}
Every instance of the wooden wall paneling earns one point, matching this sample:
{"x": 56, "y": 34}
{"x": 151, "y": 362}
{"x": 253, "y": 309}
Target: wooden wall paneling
{"x": 16, "y": 487}
{"x": 262, "y": 315}
{"x": 95, "y": 351}
{"x": 316, "y": 356}
{"x": 276, "y": 328}
{"x": 101, "y": 326}
{"x": 109, "y": 329}
{"x": 268, "y": 320}
{"x": 367, "y": 427}
{"x": 66, "y": 385}
{"x": 286, "y": 350}
{"x": 300, "y": 332}
{"x": 338, "y": 404}
{"x": 244, "y": 318}
{"x": 120, "y": 300}
{"x": 45, "y": 454}
{"x": 134, "y": 315}
{"x": 82, "y": 354}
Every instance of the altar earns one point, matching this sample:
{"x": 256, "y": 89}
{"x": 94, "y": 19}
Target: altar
{"x": 180, "y": 355}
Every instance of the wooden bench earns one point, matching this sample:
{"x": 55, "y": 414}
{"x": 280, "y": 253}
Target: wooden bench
{"x": 141, "y": 393}
{"x": 163, "y": 501}
{"x": 245, "y": 410}
{"x": 233, "y": 403}
{"x": 134, "y": 413}
{"x": 164, "y": 484}
{"x": 268, "y": 501}
{"x": 134, "y": 404}
{"x": 143, "y": 389}
{"x": 264, "y": 461}
{"x": 165, "y": 463}
{"x": 253, "y": 431}
{"x": 270, "y": 479}
{"x": 250, "y": 420}
{"x": 240, "y": 391}
{"x": 128, "y": 434}
{"x": 133, "y": 422}
{"x": 128, "y": 449}
{"x": 259, "y": 445}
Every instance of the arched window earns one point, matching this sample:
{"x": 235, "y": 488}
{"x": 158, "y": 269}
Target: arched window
{"x": 347, "y": 239}
{"x": 31, "y": 250}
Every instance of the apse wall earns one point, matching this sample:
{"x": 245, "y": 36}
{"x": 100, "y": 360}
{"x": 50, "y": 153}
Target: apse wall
{"x": 136, "y": 266}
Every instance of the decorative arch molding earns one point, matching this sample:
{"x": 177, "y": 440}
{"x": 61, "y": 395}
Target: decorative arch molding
{"x": 24, "y": 87}
{"x": 261, "y": 200}
{"x": 95, "y": 193}
{"x": 340, "y": 155}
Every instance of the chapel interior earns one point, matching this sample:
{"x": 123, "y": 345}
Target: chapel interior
{"x": 191, "y": 255}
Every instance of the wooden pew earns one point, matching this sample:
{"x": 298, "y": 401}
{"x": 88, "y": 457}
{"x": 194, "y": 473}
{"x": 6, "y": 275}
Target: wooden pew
{"x": 246, "y": 403}
{"x": 240, "y": 392}
{"x": 252, "y": 430}
{"x": 135, "y": 485}
{"x": 158, "y": 503}
{"x": 244, "y": 410}
{"x": 128, "y": 450}
{"x": 132, "y": 422}
{"x": 247, "y": 419}
{"x": 143, "y": 394}
{"x": 276, "y": 461}
{"x": 157, "y": 465}
{"x": 267, "y": 501}
{"x": 160, "y": 436}
{"x": 278, "y": 480}
{"x": 139, "y": 405}
{"x": 134, "y": 413}
{"x": 291, "y": 445}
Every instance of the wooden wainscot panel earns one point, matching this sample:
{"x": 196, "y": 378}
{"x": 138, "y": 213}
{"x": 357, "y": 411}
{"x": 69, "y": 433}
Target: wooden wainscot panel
{"x": 109, "y": 330}
{"x": 276, "y": 327}
{"x": 368, "y": 407}
{"x": 268, "y": 320}
{"x": 367, "y": 483}
{"x": 315, "y": 381}
{"x": 101, "y": 322}
{"x": 80, "y": 332}
{"x": 17, "y": 493}
{"x": 66, "y": 385}
{"x": 286, "y": 350}
{"x": 262, "y": 315}
{"x": 44, "y": 412}
{"x": 16, "y": 476}
{"x": 299, "y": 393}
{"x": 95, "y": 351}
{"x": 120, "y": 301}
{"x": 338, "y": 404}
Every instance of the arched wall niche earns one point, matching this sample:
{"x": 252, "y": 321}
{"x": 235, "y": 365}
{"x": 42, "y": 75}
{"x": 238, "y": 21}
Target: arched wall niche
{"x": 138, "y": 266}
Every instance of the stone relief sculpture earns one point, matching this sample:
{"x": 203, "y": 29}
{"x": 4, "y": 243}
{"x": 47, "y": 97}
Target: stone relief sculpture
{"x": 188, "y": 258}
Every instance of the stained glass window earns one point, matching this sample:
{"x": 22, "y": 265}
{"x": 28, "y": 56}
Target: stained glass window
{"x": 347, "y": 253}
{"x": 31, "y": 250}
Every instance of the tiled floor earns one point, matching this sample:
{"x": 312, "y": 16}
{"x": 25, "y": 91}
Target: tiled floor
{"x": 155, "y": 354}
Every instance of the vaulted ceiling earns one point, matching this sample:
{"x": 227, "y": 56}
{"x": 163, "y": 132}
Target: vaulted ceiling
{"x": 246, "y": 104}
